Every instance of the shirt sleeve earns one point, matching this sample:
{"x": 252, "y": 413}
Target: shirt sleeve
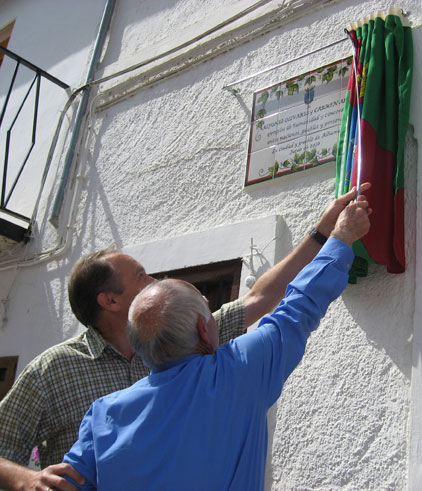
{"x": 82, "y": 456}
{"x": 275, "y": 348}
{"x": 21, "y": 411}
{"x": 231, "y": 320}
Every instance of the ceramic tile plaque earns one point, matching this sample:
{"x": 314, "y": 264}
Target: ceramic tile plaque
{"x": 295, "y": 123}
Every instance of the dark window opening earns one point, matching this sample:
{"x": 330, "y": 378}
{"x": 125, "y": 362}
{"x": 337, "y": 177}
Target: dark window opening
{"x": 8, "y": 366}
{"x": 219, "y": 282}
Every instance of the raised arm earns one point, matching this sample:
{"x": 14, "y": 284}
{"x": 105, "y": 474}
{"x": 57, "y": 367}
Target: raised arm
{"x": 271, "y": 286}
{"x": 274, "y": 349}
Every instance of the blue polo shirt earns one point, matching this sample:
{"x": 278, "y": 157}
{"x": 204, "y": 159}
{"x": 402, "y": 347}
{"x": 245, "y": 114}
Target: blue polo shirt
{"x": 200, "y": 424}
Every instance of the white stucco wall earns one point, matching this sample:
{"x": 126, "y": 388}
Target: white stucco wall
{"x": 170, "y": 160}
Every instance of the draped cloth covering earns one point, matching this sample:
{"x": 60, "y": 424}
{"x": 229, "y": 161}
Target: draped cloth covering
{"x": 384, "y": 64}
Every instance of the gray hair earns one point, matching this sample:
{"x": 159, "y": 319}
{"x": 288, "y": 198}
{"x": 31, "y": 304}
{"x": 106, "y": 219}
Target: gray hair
{"x": 172, "y": 322}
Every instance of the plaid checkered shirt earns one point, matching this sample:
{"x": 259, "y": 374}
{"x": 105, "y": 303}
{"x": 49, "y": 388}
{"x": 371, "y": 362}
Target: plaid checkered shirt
{"x": 45, "y": 406}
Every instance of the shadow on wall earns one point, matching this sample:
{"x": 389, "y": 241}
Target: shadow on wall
{"x": 61, "y": 22}
{"x": 379, "y": 306}
{"x": 38, "y": 320}
{"x": 97, "y": 224}
{"x": 383, "y": 304}
{"x": 139, "y": 11}
{"x": 97, "y": 220}
{"x": 53, "y": 297}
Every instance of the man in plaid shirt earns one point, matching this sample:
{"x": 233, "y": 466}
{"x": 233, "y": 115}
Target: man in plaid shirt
{"x": 48, "y": 401}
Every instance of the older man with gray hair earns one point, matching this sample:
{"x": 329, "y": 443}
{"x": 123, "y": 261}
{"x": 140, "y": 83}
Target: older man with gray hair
{"x": 163, "y": 326}
{"x": 198, "y": 421}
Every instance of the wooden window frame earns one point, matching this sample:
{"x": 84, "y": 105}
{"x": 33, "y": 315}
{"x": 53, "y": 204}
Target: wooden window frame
{"x": 219, "y": 281}
{"x": 5, "y": 35}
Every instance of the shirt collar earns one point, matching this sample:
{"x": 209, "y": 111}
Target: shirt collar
{"x": 173, "y": 364}
{"x": 96, "y": 343}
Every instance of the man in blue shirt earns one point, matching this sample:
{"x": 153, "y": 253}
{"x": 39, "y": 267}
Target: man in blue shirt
{"x": 51, "y": 396}
{"x": 199, "y": 420}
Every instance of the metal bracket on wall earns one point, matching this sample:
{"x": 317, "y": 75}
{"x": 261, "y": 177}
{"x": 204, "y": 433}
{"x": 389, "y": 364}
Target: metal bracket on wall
{"x": 235, "y": 92}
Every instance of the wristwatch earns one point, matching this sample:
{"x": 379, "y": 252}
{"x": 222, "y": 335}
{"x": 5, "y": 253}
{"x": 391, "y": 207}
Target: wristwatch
{"x": 318, "y": 236}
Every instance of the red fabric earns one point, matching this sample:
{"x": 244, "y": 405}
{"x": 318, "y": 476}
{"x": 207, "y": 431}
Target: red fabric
{"x": 384, "y": 242}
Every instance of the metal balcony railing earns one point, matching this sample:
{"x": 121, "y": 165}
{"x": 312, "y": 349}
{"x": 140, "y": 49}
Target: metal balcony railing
{"x": 7, "y": 188}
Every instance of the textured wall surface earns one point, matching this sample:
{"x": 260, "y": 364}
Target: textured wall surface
{"x": 170, "y": 160}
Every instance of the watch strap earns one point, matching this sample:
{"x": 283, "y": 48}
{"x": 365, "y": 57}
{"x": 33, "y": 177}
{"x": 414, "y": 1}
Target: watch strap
{"x": 318, "y": 236}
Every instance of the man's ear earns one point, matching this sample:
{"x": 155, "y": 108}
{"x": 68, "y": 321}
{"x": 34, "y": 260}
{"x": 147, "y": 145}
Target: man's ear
{"x": 203, "y": 346}
{"x": 202, "y": 328}
{"x": 107, "y": 301}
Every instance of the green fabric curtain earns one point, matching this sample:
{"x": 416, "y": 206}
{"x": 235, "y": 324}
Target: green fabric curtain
{"x": 384, "y": 61}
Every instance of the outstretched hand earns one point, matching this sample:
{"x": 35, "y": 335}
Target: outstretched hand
{"x": 353, "y": 222}
{"x": 329, "y": 218}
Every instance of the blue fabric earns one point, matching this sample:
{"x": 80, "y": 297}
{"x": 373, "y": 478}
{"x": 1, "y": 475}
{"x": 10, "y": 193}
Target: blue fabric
{"x": 200, "y": 424}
